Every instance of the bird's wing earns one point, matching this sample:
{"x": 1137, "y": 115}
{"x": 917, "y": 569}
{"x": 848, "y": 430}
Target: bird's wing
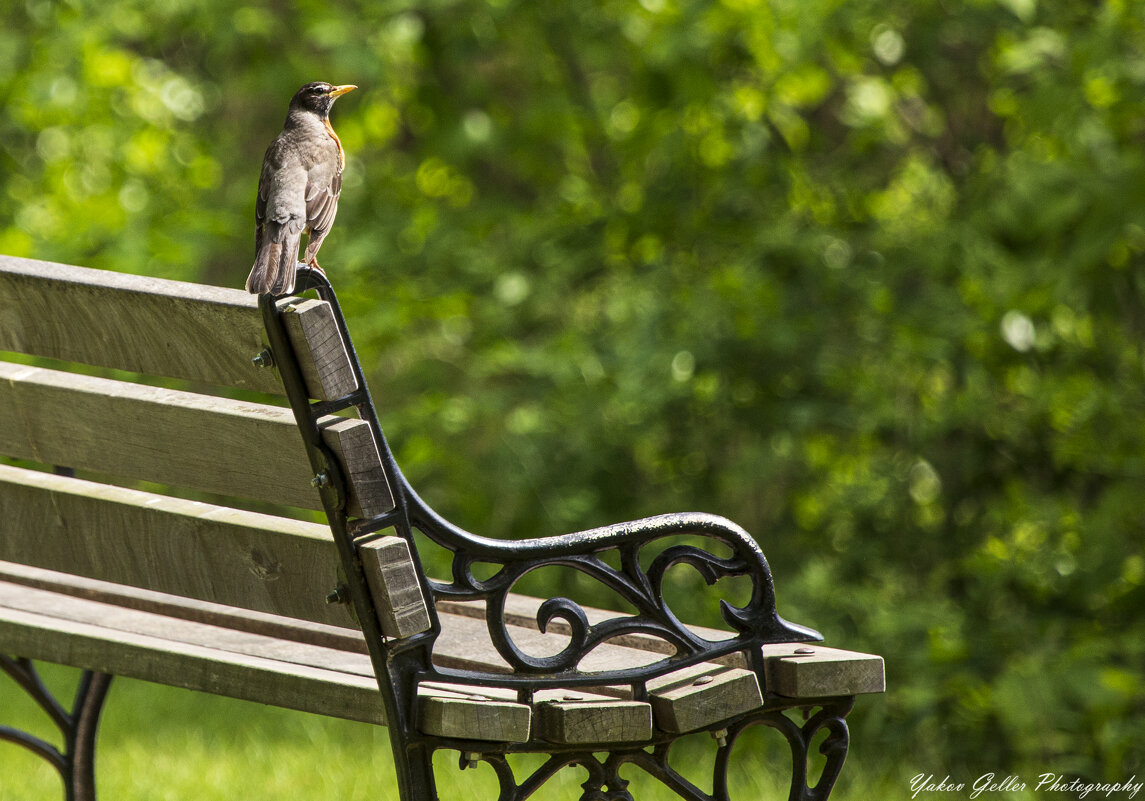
{"x": 264, "y": 181}
{"x": 270, "y": 161}
{"x": 324, "y": 183}
{"x": 284, "y": 197}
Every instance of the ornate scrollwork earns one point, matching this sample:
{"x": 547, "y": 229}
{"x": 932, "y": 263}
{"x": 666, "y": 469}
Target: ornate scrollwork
{"x": 755, "y": 622}
{"x": 603, "y": 783}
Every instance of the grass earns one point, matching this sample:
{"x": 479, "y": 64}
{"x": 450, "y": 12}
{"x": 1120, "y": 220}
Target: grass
{"x": 163, "y": 744}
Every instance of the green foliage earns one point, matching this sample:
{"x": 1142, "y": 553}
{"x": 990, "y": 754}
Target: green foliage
{"x": 864, "y": 277}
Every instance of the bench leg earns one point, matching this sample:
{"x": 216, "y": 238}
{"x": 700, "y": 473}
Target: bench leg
{"x": 831, "y": 717}
{"x": 76, "y": 763}
{"x": 90, "y": 696}
{"x": 605, "y": 784}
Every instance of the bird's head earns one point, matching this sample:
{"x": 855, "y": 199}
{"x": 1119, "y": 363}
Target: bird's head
{"x": 318, "y": 97}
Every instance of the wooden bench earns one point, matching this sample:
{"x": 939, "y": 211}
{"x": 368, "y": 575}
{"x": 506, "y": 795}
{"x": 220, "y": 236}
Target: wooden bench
{"x": 164, "y": 450}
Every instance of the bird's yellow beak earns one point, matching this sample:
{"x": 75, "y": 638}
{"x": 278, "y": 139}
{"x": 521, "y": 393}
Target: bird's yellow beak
{"x": 338, "y": 91}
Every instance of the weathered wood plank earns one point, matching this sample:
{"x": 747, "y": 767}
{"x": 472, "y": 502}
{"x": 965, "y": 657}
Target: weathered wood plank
{"x": 321, "y": 352}
{"x": 130, "y": 322}
{"x": 225, "y": 446}
{"x": 340, "y": 638}
{"x": 571, "y": 717}
{"x": 198, "y": 550}
{"x": 104, "y": 647}
{"x": 800, "y": 670}
{"x": 165, "y": 627}
{"x": 464, "y": 641}
{"x": 353, "y": 444}
{"x": 580, "y": 719}
{"x": 392, "y": 578}
{"x": 472, "y": 716}
{"x": 699, "y": 696}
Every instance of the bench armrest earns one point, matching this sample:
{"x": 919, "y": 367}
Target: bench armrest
{"x": 754, "y": 624}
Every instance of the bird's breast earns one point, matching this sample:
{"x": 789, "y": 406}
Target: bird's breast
{"x": 337, "y": 142}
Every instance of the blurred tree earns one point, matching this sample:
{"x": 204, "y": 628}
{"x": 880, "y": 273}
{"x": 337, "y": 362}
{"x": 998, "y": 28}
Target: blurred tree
{"x": 865, "y": 277}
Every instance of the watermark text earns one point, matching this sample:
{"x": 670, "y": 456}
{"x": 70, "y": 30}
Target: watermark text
{"x": 987, "y": 784}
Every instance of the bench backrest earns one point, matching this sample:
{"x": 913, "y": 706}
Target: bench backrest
{"x": 123, "y": 396}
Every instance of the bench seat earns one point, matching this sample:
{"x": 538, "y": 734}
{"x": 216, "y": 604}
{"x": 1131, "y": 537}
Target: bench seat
{"x": 313, "y": 667}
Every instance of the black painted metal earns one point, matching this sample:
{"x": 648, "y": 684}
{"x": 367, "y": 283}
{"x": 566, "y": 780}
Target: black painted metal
{"x": 604, "y": 782}
{"x": 76, "y": 762}
{"x": 402, "y": 665}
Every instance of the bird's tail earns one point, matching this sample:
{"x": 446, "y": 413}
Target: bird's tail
{"x": 274, "y": 264}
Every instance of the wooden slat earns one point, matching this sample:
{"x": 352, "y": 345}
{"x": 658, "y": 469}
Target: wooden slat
{"x": 165, "y": 627}
{"x": 173, "y": 606}
{"x": 472, "y": 717}
{"x": 353, "y": 444}
{"x": 570, "y": 717}
{"x": 810, "y": 671}
{"x": 171, "y": 545}
{"x": 318, "y": 344}
{"x": 702, "y": 695}
{"x": 392, "y": 578}
{"x": 47, "y": 633}
{"x": 130, "y": 322}
{"x": 463, "y": 644}
{"x": 173, "y": 437}
{"x": 580, "y": 719}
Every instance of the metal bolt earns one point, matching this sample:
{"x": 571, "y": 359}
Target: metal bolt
{"x": 321, "y": 480}
{"x": 263, "y": 358}
{"x": 700, "y": 682}
{"x": 471, "y": 758}
{"x": 572, "y": 697}
{"x": 336, "y": 595}
{"x": 721, "y": 737}
{"x": 804, "y": 651}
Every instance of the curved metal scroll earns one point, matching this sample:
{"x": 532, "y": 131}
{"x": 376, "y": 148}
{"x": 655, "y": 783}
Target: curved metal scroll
{"x": 756, "y": 622}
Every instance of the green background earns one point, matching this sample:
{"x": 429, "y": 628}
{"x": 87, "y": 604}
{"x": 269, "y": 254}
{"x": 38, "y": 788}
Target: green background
{"x": 864, "y": 277}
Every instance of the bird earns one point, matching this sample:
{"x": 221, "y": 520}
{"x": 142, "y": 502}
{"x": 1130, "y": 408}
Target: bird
{"x": 298, "y": 189}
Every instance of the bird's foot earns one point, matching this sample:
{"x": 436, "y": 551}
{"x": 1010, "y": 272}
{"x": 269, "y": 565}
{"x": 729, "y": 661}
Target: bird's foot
{"x": 313, "y": 264}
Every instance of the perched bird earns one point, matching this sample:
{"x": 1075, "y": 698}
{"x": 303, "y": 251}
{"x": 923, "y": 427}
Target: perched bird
{"x": 297, "y": 190}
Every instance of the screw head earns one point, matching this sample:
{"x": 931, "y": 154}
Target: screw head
{"x": 336, "y": 596}
{"x": 702, "y": 680}
{"x": 263, "y": 358}
{"x": 721, "y": 737}
{"x": 804, "y": 651}
{"x": 321, "y": 480}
